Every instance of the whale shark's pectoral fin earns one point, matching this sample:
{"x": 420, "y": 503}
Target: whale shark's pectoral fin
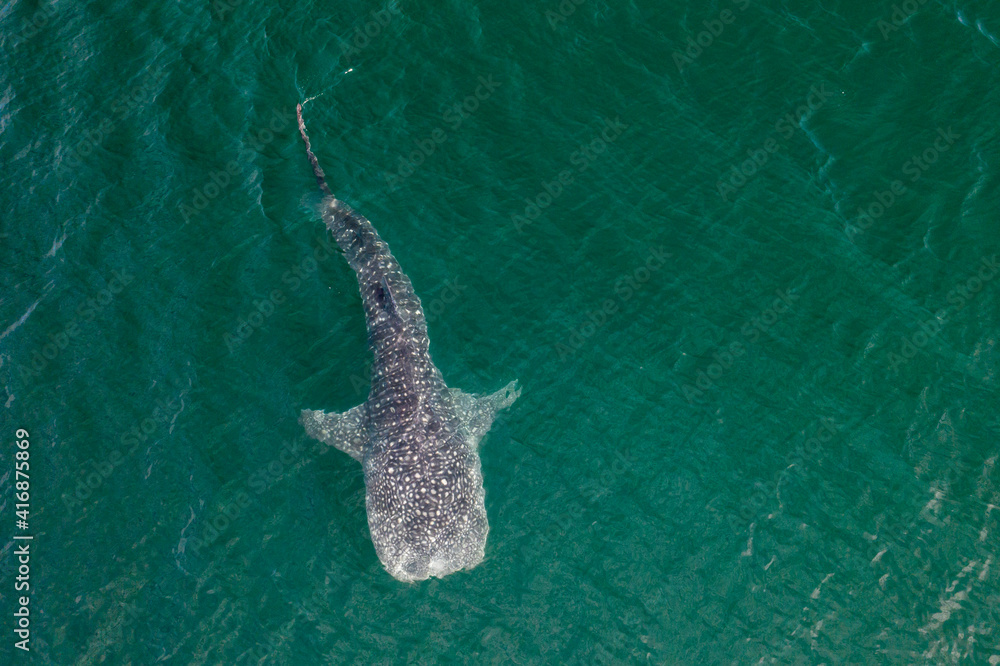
{"x": 347, "y": 432}
{"x": 476, "y": 412}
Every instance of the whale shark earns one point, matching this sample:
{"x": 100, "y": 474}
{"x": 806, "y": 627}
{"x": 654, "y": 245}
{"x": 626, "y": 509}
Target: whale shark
{"x": 416, "y": 439}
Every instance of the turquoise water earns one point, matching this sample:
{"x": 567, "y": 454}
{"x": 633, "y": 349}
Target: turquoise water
{"x": 747, "y": 281}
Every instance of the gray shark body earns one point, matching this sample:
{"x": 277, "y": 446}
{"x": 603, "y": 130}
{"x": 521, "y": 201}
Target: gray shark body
{"x": 417, "y": 439}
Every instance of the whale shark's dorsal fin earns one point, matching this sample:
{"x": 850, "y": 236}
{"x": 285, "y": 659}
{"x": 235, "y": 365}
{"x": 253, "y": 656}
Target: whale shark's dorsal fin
{"x": 347, "y": 431}
{"x": 386, "y": 299}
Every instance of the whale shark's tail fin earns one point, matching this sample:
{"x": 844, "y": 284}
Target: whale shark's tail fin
{"x": 317, "y": 169}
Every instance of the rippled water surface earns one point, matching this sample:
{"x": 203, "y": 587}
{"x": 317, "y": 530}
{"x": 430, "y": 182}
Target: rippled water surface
{"x": 743, "y": 258}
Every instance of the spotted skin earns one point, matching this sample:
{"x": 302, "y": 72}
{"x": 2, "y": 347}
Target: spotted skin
{"x": 417, "y": 439}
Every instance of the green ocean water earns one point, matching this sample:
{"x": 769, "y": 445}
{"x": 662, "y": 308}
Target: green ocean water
{"x": 741, "y": 256}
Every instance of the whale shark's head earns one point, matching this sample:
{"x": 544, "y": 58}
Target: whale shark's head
{"x": 425, "y": 504}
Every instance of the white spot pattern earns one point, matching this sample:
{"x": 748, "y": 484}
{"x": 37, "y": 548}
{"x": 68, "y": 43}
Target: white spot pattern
{"x": 417, "y": 439}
